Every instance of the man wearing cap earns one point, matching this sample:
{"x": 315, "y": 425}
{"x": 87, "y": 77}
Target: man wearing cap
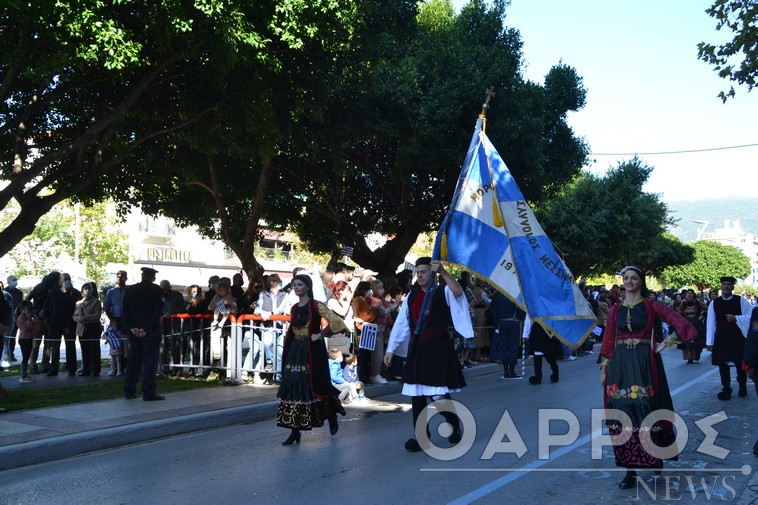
{"x": 724, "y": 339}
{"x": 142, "y": 310}
{"x": 431, "y": 369}
{"x": 13, "y": 296}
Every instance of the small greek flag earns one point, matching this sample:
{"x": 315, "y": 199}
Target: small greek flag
{"x": 221, "y": 308}
{"x": 597, "y": 331}
{"x": 368, "y": 336}
{"x": 113, "y": 337}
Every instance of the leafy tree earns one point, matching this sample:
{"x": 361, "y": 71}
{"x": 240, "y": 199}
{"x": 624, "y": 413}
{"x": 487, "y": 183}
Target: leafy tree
{"x": 740, "y": 17}
{"x": 604, "y": 222}
{"x": 215, "y": 173}
{"x": 360, "y": 134}
{"x": 86, "y": 84}
{"x": 667, "y": 250}
{"x": 386, "y": 153}
{"x": 220, "y": 113}
{"x": 710, "y": 262}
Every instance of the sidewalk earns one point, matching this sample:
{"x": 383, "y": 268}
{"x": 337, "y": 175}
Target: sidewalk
{"x": 40, "y": 435}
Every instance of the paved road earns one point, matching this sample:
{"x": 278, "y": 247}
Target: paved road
{"x": 365, "y": 462}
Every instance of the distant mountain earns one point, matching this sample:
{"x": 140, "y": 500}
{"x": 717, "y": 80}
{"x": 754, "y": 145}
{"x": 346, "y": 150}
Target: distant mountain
{"x": 714, "y": 211}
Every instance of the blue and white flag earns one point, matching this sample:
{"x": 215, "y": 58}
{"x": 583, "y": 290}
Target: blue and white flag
{"x": 221, "y": 308}
{"x": 368, "y": 336}
{"x": 491, "y": 230}
{"x": 113, "y": 337}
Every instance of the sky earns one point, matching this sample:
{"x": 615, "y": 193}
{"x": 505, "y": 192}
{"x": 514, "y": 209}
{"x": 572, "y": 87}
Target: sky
{"x": 646, "y": 90}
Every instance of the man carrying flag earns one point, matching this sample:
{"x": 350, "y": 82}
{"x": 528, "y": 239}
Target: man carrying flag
{"x": 421, "y": 333}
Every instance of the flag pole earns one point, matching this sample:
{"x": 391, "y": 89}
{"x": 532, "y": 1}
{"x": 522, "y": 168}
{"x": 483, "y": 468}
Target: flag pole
{"x": 489, "y": 93}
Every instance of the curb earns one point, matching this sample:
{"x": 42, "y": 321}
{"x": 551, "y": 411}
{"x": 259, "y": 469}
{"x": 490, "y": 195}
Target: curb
{"x": 77, "y": 444}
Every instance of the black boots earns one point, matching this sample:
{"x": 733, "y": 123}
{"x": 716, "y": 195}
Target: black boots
{"x": 537, "y": 377}
{"x": 629, "y": 480}
{"x": 411, "y": 445}
{"x": 725, "y": 394}
{"x": 333, "y": 426}
{"x": 294, "y": 438}
{"x": 742, "y": 391}
{"x": 509, "y": 372}
{"x": 554, "y": 370}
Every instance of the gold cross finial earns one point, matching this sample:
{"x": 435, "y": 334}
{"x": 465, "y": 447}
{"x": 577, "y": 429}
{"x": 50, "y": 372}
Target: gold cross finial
{"x": 489, "y": 93}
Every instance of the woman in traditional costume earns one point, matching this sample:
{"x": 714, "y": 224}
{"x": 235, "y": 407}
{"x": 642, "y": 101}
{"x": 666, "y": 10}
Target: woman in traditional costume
{"x": 693, "y": 309}
{"x": 306, "y": 395}
{"x": 633, "y": 377}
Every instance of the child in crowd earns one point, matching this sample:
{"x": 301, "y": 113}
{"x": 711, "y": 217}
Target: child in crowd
{"x": 116, "y": 352}
{"x": 28, "y": 328}
{"x": 335, "y": 373}
{"x": 222, "y": 305}
{"x": 350, "y": 373}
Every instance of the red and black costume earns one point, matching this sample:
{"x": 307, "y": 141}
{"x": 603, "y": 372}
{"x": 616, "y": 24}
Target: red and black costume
{"x": 636, "y": 380}
{"x": 306, "y": 395}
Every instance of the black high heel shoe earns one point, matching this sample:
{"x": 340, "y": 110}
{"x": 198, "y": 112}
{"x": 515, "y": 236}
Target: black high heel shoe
{"x": 628, "y": 481}
{"x": 333, "y": 426}
{"x": 294, "y": 438}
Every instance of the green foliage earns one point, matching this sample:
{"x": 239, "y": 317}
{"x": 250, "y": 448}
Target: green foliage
{"x": 385, "y": 153}
{"x": 604, "y": 222}
{"x": 215, "y": 173}
{"x": 54, "y": 241}
{"x": 90, "y": 83}
{"x": 737, "y": 59}
{"x": 606, "y": 280}
{"x": 334, "y": 118}
{"x": 301, "y": 255}
{"x": 710, "y": 262}
{"x": 663, "y": 252}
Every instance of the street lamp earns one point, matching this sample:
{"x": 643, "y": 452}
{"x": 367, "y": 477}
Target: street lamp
{"x": 701, "y": 229}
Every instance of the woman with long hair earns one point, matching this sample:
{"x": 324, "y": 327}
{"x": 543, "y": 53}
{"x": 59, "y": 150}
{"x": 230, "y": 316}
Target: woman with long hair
{"x": 634, "y": 380}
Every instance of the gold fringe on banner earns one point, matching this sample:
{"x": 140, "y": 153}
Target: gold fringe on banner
{"x": 497, "y": 219}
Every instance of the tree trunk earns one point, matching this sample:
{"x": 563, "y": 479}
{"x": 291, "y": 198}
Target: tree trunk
{"x": 386, "y": 259}
{"x": 26, "y": 221}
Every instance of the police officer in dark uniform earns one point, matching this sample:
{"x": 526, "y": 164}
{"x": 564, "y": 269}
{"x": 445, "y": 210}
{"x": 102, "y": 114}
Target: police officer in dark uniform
{"x": 142, "y": 310}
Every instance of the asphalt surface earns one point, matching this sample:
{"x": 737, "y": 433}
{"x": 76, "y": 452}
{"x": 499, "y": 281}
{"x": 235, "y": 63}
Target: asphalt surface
{"x": 56, "y": 433}
{"x": 34, "y": 436}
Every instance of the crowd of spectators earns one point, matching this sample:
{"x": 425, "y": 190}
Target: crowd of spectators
{"x": 195, "y": 345}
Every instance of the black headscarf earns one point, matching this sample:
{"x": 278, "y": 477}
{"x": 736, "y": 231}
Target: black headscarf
{"x": 644, "y": 291}
{"x": 307, "y": 281}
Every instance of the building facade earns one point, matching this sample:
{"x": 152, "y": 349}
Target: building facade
{"x": 732, "y": 234}
{"x": 184, "y": 257}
